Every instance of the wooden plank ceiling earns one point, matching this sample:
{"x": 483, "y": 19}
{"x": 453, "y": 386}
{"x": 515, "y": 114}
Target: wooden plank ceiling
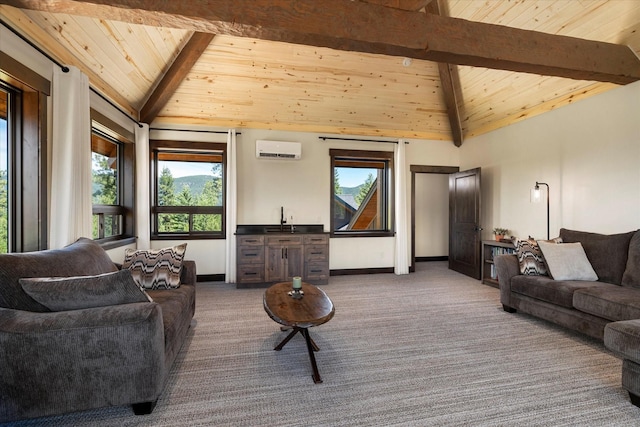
{"x": 230, "y": 80}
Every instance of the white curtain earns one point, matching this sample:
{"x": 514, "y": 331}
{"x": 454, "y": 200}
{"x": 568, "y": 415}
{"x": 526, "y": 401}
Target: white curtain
{"x": 71, "y": 216}
{"x": 143, "y": 208}
{"x": 231, "y": 207}
{"x": 401, "y": 264}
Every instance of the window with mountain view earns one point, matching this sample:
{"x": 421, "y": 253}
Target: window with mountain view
{"x": 188, "y": 189}
{"x": 361, "y": 193}
{"x": 112, "y": 193}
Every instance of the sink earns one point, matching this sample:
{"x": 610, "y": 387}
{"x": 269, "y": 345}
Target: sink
{"x": 276, "y": 228}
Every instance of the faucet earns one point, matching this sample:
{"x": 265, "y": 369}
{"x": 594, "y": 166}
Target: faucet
{"x": 283, "y": 221}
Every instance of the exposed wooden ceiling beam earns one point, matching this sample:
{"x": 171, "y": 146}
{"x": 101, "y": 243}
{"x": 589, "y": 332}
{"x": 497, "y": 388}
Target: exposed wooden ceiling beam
{"x": 358, "y": 26}
{"x": 178, "y": 71}
{"x": 451, "y": 88}
{"x": 401, "y": 4}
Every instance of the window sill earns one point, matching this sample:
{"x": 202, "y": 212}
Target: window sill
{"x": 362, "y": 234}
{"x": 115, "y": 242}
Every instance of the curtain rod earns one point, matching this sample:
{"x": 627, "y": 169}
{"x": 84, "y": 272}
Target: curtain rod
{"x": 195, "y": 130}
{"x": 324, "y": 138}
{"x": 65, "y": 69}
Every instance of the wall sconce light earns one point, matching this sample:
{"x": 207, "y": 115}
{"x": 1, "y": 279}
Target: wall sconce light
{"x": 535, "y": 198}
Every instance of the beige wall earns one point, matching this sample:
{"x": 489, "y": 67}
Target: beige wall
{"x": 588, "y": 152}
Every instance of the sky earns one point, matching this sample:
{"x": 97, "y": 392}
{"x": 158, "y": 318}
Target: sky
{"x": 180, "y": 169}
{"x": 352, "y": 177}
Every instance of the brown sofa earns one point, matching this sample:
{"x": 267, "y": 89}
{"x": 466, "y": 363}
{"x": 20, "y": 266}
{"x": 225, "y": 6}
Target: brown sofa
{"x": 606, "y": 309}
{"x": 71, "y": 360}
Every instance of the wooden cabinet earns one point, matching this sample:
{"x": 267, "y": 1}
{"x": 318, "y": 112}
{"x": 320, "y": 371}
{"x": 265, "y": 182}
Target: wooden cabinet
{"x": 284, "y": 258}
{"x": 250, "y": 259}
{"x": 316, "y": 257}
{"x": 271, "y": 258}
{"x": 490, "y": 249}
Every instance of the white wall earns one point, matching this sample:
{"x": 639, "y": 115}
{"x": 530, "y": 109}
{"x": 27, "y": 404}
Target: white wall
{"x": 588, "y": 152}
{"x": 432, "y": 215}
{"x": 302, "y": 187}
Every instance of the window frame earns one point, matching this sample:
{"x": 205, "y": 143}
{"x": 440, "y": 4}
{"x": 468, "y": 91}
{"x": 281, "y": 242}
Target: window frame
{"x": 186, "y": 148}
{"x": 29, "y": 210}
{"x": 123, "y": 138}
{"x": 338, "y": 155}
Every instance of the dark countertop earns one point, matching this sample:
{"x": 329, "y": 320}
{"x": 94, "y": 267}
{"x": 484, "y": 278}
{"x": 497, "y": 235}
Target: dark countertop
{"x": 276, "y": 228}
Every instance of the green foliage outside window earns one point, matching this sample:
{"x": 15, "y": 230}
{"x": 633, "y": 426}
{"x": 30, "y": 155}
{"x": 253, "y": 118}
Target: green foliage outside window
{"x": 174, "y": 192}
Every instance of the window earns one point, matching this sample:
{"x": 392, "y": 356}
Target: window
{"x": 188, "y": 189}
{"x": 23, "y": 154}
{"x": 361, "y": 195}
{"x": 112, "y": 179}
{"x": 6, "y": 99}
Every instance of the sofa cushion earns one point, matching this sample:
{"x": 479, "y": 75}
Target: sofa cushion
{"x": 156, "y": 269}
{"x": 606, "y": 253}
{"x": 567, "y": 261}
{"x": 631, "y": 276}
{"x": 613, "y": 303}
{"x": 544, "y": 288}
{"x": 84, "y": 257}
{"x": 76, "y": 293}
{"x": 623, "y": 338}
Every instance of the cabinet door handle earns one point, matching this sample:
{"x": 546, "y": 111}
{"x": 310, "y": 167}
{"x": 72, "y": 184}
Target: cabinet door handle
{"x": 316, "y": 253}
{"x": 251, "y": 274}
{"x": 286, "y": 253}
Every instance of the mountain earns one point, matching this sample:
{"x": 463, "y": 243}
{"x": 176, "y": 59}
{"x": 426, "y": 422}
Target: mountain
{"x": 351, "y": 190}
{"x": 194, "y": 182}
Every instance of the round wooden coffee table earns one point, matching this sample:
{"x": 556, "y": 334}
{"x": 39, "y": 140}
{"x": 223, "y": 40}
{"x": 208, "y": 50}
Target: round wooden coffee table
{"x": 312, "y": 309}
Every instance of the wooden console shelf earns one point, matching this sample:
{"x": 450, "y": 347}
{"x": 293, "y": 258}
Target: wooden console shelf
{"x": 491, "y": 248}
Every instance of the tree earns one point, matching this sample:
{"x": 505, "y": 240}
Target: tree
{"x": 364, "y": 189}
{"x": 105, "y": 181}
{"x": 336, "y": 182}
{"x": 166, "y": 222}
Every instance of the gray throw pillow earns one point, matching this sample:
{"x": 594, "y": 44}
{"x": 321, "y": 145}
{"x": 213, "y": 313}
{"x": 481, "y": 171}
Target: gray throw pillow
{"x": 567, "y": 261}
{"x": 156, "y": 269}
{"x": 79, "y": 292}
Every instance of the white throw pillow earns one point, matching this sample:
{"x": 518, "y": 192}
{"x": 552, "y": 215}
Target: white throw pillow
{"x": 567, "y": 261}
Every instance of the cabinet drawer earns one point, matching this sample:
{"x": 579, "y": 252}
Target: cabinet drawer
{"x": 250, "y": 240}
{"x": 317, "y": 272}
{"x": 316, "y": 239}
{"x": 250, "y": 274}
{"x": 251, "y": 254}
{"x": 284, "y": 240}
{"x": 316, "y": 253}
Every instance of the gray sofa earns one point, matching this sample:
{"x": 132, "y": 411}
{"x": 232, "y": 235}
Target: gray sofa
{"x": 55, "y": 362}
{"x": 607, "y": 309}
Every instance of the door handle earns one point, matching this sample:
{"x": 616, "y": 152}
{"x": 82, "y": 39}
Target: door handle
{"x": 478, "y": 228}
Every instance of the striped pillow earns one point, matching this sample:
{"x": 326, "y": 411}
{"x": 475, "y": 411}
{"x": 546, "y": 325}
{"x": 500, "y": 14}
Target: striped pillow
{"x": 530, "y": 258}
{"x": 156, "y": 269}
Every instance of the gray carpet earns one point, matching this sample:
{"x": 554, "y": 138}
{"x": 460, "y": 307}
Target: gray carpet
{"x": 433, "y": 348}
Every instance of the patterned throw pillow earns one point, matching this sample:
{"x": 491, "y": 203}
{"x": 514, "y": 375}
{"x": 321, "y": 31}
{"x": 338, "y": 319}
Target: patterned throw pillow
{"x": 530, "y": 258}
{"x": 156, "y": 269}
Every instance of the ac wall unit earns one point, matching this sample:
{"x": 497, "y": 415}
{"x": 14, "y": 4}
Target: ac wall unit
{"x": 278, "y": 149}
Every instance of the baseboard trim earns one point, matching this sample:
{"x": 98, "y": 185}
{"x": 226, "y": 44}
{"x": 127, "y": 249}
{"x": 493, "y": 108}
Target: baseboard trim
{"x": 432, "y": 258}
{"x": 210, "y": 278}
{"x": 354, "y": 271}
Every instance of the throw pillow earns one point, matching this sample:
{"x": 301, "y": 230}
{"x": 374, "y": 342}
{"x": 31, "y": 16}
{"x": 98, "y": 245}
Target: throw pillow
{"x": 567, "y": 261}
{"x": 156, "y": 269}
{"x": 530, "y": 258}
{"x": 79, "y": 292}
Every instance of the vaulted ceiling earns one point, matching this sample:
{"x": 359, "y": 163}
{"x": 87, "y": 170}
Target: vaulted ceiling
{"x": 443, "y": 70}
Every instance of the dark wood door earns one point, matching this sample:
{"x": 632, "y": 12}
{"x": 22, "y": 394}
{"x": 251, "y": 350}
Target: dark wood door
{"x": 464, "y": 222}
